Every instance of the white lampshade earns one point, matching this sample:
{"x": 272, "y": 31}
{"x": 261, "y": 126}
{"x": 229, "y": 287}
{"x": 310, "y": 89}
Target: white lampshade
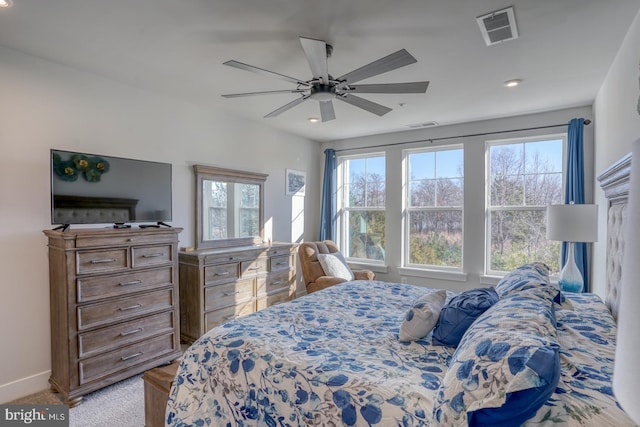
{"x": 626, "y": 375}
{"x": 572, "y": 223}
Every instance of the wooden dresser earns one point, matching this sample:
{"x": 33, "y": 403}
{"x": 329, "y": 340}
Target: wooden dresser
{"x": 217, "y": 285}
{"x": 114, "y": 309}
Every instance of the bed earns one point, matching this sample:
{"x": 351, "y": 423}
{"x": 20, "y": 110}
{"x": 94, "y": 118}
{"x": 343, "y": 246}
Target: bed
{"x": 334, "y": 357}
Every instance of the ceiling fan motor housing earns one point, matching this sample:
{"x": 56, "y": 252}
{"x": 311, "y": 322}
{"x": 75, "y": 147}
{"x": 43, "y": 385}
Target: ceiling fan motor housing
{"x": 321, "y": 92}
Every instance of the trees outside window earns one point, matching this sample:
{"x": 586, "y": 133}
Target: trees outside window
{"x": 362, "y": 206}
{"x": 524, "y": 176}
{"x": 433, "y": 204}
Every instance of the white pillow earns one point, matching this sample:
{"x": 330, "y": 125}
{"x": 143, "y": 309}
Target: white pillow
{"x": 335, "y": 265}
{"x": 423, "y": 315}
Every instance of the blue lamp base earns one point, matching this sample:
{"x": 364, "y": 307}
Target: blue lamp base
{"x": 570, "y": 279}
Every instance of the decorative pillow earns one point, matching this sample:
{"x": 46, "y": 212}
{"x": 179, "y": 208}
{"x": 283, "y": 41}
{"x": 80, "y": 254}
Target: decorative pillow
{"x": 533, "y": 276}
{"x": 423, "y": 315}
{"x": 335, "y": 265}
{"x": 460, "y": 312}
{"x": 505, "y": 368}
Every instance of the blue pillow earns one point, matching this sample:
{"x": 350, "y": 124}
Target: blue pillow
{"x": 459, "y": 313}
{"x": 506, "y": 366}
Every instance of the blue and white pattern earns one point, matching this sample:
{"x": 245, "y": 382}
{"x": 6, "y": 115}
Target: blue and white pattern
{"x": 334, "y": 357}
{"x": 511, "y": 348}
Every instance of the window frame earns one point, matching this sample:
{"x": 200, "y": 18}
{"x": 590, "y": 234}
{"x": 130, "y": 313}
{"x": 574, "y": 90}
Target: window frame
{"x": 343, "y": 210}
{"x": 487, "y": 187}
{"x": 406, "y": 209}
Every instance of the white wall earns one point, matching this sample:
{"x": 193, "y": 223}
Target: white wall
{"x": 474, "y": 168}
{"x": 44, "y": 105}
{"x": 617, "y": 126}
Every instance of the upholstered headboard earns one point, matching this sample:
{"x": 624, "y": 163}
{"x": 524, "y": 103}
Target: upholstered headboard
{"x": 92, "y": 210}
{"x": 615, "y": 183}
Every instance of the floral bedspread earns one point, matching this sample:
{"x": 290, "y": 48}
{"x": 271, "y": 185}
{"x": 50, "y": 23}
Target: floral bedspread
{"x": 333, "y": 358}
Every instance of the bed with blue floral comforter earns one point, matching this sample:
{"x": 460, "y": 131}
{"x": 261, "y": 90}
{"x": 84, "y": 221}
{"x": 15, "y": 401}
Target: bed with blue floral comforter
{"x": 333, "y": 358}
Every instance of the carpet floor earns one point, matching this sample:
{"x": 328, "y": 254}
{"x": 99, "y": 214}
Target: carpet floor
{"x": 121, "y": 404}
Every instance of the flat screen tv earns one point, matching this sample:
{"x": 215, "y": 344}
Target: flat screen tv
{"x": 96, "y": 189}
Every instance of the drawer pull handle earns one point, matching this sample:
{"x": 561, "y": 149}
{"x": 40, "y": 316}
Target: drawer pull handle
{"x": 130, "y": 239}
{"x": 133, "y": 282}
{"x": 279, "y": 282}
{"x": 133, "y": 331}
{"x": 131, "y": 307}
{"x": 222, "y": 273}
{"x": 254, "y": 268}
{"x": 131, "y": 356}
{"x": 282, "y": 263}
{"x": 228, "y": 294}
{"x": 277, "y": 302}
{"x": 233, "y": 316}
{"x": 152, "y": 255}
{"x": 230, "y": 258}
{"x": 102, "y": 261}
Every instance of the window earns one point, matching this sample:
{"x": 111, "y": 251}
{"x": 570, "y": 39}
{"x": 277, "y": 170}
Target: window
{"x": 433, "y": 202}
{"x": 249, "y": 210}
{"x": 361, "y": 195}
{"x": 524, "y": 176}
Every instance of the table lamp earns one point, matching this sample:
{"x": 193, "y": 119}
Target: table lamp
{"x": 626, "y": 374}
{"x": 572, "y": 223}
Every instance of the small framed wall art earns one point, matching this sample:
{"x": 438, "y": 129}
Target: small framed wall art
{"x": 295, "y": 182}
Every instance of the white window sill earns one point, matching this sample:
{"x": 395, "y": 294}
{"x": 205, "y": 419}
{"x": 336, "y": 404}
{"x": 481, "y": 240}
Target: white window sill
{"x": 454, "y": 276}
{"x": 490, "y": 280}
{"x": 376, "y": 268}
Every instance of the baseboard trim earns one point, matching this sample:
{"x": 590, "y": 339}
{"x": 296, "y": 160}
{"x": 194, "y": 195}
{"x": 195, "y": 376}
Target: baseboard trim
{"x": 24, "y": 386}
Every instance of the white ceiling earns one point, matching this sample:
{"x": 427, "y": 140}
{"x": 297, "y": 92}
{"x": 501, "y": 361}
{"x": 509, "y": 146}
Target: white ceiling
{"x": 178, "y": 47}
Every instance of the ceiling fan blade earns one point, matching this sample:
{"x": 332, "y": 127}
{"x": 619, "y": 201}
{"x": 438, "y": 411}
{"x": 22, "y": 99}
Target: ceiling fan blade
{"x": 316, "y": 52}
{"x": 288, "y": 106}
{"x": 382, "y": 65}
{"x": 371, "y": 107}
{"x": 268, "y": 92}
{"x": 326, "y": 111}
{"x": 262, "y": 71}
{"x": 412, "y": 87}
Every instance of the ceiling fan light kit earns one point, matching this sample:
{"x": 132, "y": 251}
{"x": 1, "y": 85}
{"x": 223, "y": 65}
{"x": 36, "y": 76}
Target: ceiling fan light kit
{"x": 324, "y": 88}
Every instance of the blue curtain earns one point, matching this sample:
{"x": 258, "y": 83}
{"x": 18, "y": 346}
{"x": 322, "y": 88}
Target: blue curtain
{"x": 574, "y": 192}
{"x": 328, "y": 207}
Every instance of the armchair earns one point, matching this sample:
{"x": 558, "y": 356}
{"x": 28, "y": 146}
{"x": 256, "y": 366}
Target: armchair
{"x": 312, "y": 272}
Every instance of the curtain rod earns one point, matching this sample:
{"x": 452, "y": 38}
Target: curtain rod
{"x": 431, "y": 140}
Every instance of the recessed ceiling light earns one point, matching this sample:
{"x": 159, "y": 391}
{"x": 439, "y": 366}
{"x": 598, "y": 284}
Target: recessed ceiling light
{"x": 5, "y": 4}
{"x": 513, "y": 82}
{"x": 313, "y": 119}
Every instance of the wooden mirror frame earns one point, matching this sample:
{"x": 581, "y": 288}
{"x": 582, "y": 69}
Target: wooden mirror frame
{"x": 211, "y": 173}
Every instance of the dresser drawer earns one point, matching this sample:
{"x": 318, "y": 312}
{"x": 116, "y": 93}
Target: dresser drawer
{"x": 253, "y": 267}
{"x": 124, "y": 333}
{"x": 102, "y": 261}
{"x": 274, "y": 299}
{"x": 220, "y": 273}
{"x": 125, "y": 239}
{"x": 281, "y": 262}
{"x": 230, "y": 257}
{"x": 227, "y": 294}
{"x": 279, "y": 251}
{"x": 121, "y": 359}
{"x": 100, "y": 314}
{"x": 275, "y": 282}
{"x": 217, "y": 317}
{"x": 94, "y": 288}
{"x": 145, "y": 256}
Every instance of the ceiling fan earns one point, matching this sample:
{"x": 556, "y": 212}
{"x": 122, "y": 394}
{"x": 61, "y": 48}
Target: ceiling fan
{"x": 323, "y": 87}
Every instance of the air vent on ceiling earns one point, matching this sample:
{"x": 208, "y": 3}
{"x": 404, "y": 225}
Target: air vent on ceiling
{"x": 499, "y": 26}
{"x": 422, "y": 125}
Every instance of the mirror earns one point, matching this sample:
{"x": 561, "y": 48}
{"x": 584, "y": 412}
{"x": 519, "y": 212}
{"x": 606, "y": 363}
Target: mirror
{"x": 229, "y": 207}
